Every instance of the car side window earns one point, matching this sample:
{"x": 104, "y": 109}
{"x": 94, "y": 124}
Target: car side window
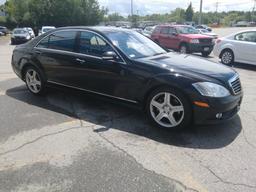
{"x": 172, "y": 30}
{"x": 246, "y": 36}
{"x": 63, "y": 40}
{"x": 92, "y": 44}
{"x": 43, "y": 43}
{"x": 165, "y": 30}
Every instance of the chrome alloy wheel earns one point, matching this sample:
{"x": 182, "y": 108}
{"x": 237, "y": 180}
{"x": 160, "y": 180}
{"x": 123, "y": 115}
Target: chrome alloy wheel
{"x": 167, "y": 110}
{"x": 227, "y": 57}
{"x": 33, "y": 81}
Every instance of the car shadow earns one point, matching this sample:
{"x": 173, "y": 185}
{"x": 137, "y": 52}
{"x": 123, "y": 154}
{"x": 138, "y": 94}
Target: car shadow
{"x": 109, "y": 114}
{"x": 245, "y": 66}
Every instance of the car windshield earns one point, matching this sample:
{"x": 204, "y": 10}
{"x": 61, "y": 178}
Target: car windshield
{"x": 187, "y": 30}
{"x": 20, "y": 31}
{"x": 134, "y": 45}
{"x": 47, "y": 29}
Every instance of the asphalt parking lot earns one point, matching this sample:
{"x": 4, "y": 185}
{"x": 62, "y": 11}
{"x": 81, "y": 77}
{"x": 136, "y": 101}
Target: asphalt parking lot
{"x": 69, "y": 141}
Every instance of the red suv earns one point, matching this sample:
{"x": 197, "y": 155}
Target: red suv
{"x": 183, "y": 38}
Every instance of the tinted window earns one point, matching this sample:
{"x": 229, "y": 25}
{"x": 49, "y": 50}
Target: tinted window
{"x": 92, "y": 44}
{"x": 247, "y": 36}
{"x": 43, "y": 43}
{"x": 63, "y": 40}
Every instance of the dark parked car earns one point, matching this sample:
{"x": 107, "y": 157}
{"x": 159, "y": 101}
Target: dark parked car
{"x": 173, "y": 88}
{"x": 3, "y": 30}
{"x": 20, "y": 35}
{"x": 183, "y": 38}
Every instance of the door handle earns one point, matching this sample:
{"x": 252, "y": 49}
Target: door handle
{"x": 80, "y": 60}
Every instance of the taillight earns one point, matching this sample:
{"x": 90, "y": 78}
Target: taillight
{"x": 218, "y": 41}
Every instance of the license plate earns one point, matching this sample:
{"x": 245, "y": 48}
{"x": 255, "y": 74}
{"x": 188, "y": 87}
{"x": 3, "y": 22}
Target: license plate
{"x": 206, "y": 49}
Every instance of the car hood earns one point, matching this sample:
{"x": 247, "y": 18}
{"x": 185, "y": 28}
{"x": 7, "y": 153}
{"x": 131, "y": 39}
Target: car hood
{"x": 192, "y": 66}
{"x": 195, "y": 36}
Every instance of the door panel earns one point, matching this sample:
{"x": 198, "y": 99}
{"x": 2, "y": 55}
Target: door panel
{"x": 55, "y": 54}
{"x": 245, "y": 47}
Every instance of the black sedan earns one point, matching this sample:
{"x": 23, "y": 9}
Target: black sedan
{"x": 173, "y": 89}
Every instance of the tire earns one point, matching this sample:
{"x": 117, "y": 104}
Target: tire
{"x": 173, "y": 115}
{"x": 227, "y": 57}
{"x": 205, "y": 54}
{"x": 183, "y": 49}
{"x": 34, "y": 80}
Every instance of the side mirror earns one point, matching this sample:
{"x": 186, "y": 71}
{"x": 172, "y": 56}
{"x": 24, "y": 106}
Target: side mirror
{"x": 109, "y": 55}
{"x": 174, "y": 34}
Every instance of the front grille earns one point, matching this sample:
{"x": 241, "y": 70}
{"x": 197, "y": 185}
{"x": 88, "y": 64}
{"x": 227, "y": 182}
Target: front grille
{"x": 235, "y": 84}
{"x": 205, "y": 41}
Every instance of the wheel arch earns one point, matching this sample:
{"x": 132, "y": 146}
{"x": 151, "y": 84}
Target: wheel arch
{"x": 29, "y": 64}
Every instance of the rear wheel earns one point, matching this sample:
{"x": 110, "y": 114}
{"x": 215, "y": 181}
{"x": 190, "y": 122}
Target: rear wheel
{"x": 227, "y": 57}
{"x": 34, "y": 81}
{"x": 168, "y": 108}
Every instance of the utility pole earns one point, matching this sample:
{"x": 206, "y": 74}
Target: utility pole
{"x": 217, "y": 6}
{"x": 253, "y": 10}
{"x": 131, "y": 7}
{"x": 200, "y": 14}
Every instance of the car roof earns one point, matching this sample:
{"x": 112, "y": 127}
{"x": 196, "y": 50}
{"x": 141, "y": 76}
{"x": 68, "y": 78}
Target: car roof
{"x": 19, "y": 29}
{"x": 100, "y": 29}
{"x": 170, "y": 25}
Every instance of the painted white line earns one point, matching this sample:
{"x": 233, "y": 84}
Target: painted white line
{"x": 2, "y": 93}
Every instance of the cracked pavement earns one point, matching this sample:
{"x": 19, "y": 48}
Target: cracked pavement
{"x": 70, "y": 141}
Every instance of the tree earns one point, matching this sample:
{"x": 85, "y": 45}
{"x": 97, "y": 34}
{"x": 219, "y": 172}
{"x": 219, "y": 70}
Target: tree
{"x": 54, "y": 12}
{"x": 189, "y": 13}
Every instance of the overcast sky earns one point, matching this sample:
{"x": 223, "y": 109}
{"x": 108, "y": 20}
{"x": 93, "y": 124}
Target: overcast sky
{"x": 162, "y": 6}
{"x": 144, "y": 7}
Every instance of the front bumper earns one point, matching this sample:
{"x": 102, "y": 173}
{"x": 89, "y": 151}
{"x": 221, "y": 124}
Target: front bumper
{"x": 198, "y": 48}
{"x": 228, "y": 107}
{"x": 19, "y": 40}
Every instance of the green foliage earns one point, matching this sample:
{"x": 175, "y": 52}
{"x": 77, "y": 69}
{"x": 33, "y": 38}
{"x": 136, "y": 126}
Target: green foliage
{"x": 53, "y": 12}
{"x": 189, "y": 13}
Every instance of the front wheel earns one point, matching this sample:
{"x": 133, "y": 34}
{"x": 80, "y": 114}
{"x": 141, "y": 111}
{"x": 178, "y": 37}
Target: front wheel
{"x": 168, "y": 108}
{"x": 184, "y": 49}
{"x": 34, "y": 81}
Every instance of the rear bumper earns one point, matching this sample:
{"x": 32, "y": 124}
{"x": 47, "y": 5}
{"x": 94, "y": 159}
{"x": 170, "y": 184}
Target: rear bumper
{"x": 198, "y": 48}
{"x": 228, "y": 107}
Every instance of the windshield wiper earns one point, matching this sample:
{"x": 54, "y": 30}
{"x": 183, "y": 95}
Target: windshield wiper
{"x": 158, "y": 54}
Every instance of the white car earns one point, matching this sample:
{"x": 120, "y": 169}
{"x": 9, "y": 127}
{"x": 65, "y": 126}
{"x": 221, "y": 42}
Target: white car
{"x": 206, "y": 32}
{"x": 31, "y": 32}
{"x": 239, "y": 47}
{"x": 46, "y": 29}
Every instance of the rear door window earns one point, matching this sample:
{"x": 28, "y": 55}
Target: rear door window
{"x": 62, "y": 40}
{"x": 165, "y": 30}
{"x": 246, "y": 36}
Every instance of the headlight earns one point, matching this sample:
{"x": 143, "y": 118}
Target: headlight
{"x": 196, "y": 41}
{"x": 27, "y": 37}
{"x": 211, "y": 89}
